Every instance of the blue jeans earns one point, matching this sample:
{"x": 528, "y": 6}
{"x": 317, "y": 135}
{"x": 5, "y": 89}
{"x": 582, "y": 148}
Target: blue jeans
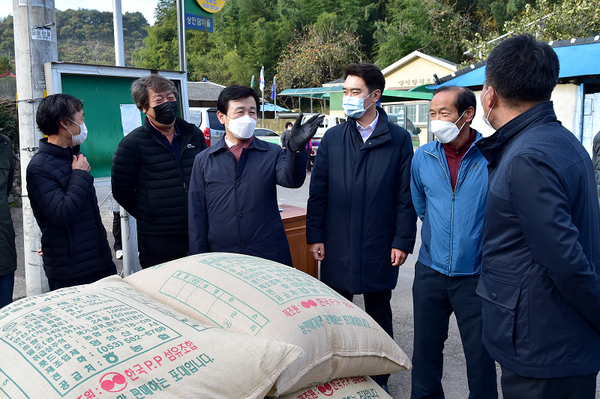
{"x": 435, "y": 297}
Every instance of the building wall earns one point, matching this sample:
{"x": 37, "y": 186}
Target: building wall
{"x": 414, "y": 73}
{"x": 563, "y": 97}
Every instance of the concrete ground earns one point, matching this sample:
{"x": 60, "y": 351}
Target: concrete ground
{"x": 454, "y": 378}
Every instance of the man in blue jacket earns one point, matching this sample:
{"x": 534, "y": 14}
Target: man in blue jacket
{"x": 449, "y": 189}
{"x": 360, "y": 219}
{"x": 233, "y": 186}
{"x": 540, "y": 279}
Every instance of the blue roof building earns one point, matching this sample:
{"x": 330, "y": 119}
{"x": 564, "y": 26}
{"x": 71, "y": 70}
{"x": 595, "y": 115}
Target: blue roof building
{"x": 576, "y": 98}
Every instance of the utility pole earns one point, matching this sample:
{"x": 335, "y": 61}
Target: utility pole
{"x": 128, "y": 222}
{"x": 35, "y": 44}
{"x": 181, "y": 35}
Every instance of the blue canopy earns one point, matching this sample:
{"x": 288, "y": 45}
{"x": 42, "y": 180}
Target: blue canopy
{"x": 575, "y": 60}
{"x": 272, "y": 107}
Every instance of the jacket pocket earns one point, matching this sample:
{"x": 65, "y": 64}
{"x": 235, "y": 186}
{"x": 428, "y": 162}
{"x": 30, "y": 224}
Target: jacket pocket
{"x": 499, "y": 312}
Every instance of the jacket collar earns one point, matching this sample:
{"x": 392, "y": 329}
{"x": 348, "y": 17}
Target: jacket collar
{"x": 491, "y": 146}
{"x": 221, "y": 145}
{"x": 57, "y": 151}
{"x": 180, "y": 124}
{"x": 478, "y": 136}
{"x": 380, "y": 134}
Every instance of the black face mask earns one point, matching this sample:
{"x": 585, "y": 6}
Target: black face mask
{"x": 165, "y": 112}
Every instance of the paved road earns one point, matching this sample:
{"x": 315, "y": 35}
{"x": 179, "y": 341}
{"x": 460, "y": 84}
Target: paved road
{"x": 454, "y": 378}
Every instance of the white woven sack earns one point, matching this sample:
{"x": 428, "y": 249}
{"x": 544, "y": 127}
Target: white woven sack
{"x": 262, "y": 298}
{"x": 106, "y": 340}
{"x": 342, "y": 388}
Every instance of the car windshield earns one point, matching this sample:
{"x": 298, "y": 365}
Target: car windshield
{"x": 214, "y": 121}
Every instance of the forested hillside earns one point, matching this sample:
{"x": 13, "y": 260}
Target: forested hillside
{"x": 307, "y": 42}
{"x": 84, "y": 36}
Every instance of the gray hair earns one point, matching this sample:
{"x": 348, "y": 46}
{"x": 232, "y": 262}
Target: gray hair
{"x": 154, "y": 82}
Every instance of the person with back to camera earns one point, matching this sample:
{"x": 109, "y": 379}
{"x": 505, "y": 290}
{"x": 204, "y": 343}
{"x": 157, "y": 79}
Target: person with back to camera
{"x": 540, "y": 276}
{"x": 61, "y": 190}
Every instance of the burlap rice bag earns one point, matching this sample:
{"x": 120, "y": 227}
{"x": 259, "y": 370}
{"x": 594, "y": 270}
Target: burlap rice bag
{"x": 342, "y": 388}
{"x": 106, "y": 340}
{"x": 262, "y": 298}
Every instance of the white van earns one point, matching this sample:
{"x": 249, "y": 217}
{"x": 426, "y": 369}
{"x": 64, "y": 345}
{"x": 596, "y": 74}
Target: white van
{"x": 327, "y": 123}
{"x": 206, "y": 119}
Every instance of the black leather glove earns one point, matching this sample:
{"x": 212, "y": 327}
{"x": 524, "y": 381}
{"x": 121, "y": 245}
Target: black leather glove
{"x": 301, "y": 134}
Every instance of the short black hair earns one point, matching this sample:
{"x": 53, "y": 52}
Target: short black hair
{"x": 288, "y": 123}
{"x": 521, "y": 69}
{"x": 55, "y": 108}
{"x": 234, "y": 92}
{"x": 155, "y": 82}
{"x": 370, "y": 73}
{"x": 465, "y": 98}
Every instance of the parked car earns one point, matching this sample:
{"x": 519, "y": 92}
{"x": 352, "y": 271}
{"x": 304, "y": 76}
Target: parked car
{"x": 206, "y": 119}
{"x": 267, "y": 135}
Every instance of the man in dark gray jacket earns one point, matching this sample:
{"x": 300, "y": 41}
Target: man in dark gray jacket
{"x": 151, "y": 171}
{"x": 540, "y": 279}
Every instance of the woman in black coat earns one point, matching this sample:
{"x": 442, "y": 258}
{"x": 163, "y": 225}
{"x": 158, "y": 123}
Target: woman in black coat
{"x": 63, "y": 198}
{"x": 8, "y": 253}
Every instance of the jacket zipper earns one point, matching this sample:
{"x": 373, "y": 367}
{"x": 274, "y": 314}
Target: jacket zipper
{"x": 452, "y": 213}
{"x": 460, "y": 164}
{"x": 177, "y": 163}
{"x": 453, "y": 198}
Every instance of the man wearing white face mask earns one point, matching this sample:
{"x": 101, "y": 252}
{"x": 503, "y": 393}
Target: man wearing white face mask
{"x": 360, "y": 221}
{"x": 449, "y": 189}
{"x": 63, "y": 198}
{"x": 233, "y": 194}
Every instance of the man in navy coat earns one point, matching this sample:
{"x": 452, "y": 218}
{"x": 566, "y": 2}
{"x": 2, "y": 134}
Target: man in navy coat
{"x": 233, "y": 187}
{"x": 361, "y": 223}
{"x": 540, "y": 278}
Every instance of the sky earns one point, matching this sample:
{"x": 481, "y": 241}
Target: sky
{"x": 146, "y": 7}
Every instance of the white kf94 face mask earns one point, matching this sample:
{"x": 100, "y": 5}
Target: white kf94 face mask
{"x": 354, "y": 106}
{"x": 242, "y": 127}
{"x": 83, "y": 132}
{"x": 446, "y": 132}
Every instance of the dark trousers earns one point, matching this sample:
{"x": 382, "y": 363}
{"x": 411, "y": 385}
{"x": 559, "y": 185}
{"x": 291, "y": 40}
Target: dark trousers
{"x": 57, "y": 284}
{"x": 155, "y": 250}
{"x": 117, "y": 231}
{"x": 435, "y": 297}
{"x": 377, "y": 305}
{"x": 7, "y": 283}
{"x": 515, "y": 386}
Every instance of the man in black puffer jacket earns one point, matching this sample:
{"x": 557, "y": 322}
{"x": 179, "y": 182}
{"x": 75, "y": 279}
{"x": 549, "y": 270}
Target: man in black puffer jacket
{"x": 63, "y": 198}
{"x": 151, "y": 171}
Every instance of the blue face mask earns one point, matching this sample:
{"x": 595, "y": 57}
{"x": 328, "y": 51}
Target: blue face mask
{"x": 354, "y": 106}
